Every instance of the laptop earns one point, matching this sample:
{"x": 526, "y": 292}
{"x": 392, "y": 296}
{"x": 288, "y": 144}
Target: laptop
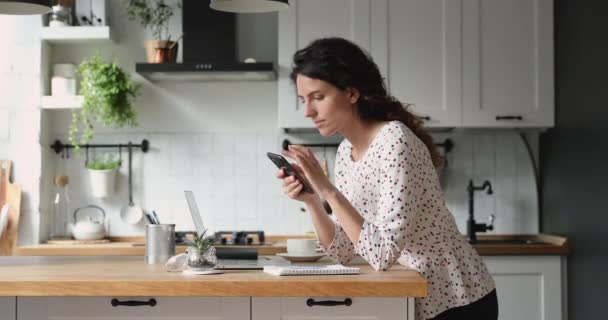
{"x": 231, "y": 262}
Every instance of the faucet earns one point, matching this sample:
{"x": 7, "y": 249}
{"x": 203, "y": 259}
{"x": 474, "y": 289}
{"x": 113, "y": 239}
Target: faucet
{"x": 472, "y": 226}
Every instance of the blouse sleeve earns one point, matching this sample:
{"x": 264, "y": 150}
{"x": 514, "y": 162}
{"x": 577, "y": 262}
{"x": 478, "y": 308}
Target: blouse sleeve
{"x": 382, "y": 240}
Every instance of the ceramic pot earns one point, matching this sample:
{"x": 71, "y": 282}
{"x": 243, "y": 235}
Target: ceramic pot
{"x": 170, "y": 55}
{"x": 102, "y": 182}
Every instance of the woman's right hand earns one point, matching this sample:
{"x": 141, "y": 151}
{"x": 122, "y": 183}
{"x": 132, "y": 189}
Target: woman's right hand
{"x": 292, "y": 187}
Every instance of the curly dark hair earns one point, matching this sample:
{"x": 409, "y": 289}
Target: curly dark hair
{"x": 345, "y": 65}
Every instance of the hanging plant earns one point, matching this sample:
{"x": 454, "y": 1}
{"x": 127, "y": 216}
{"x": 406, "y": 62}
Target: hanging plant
{"x": 108, "y": 99}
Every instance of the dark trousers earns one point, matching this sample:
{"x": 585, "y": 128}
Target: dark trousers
{"x": 485, "y": 308}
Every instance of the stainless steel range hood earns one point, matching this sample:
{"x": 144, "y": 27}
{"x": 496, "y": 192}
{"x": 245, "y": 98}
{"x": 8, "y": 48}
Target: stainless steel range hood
{"x": 209, "y": 50}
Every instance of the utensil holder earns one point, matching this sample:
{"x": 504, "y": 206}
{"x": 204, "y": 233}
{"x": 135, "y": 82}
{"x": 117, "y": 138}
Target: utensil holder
{"x": 160, "y": 243}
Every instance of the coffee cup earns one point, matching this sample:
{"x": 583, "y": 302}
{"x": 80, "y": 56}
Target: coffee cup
{"x": 302, "y": 247}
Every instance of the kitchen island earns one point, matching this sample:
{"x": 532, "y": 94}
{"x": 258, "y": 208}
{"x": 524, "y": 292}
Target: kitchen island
{"x": 93, "y": 287}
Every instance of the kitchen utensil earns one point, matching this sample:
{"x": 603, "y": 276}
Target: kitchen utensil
{"x": 89, "y": 229}
{"x": 131, "y": 213}
{"x": 9, "y": 194}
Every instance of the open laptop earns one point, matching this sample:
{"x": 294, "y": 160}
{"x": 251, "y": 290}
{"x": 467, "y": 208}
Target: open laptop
{"x": 230, "y": 264}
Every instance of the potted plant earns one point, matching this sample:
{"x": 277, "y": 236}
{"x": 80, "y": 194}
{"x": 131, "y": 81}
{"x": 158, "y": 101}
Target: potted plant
{"x": 102, "y": 174}
{"x": 201, "y": 253}
{"x": 155, "y": 15}
{"x": 108, "y": 99}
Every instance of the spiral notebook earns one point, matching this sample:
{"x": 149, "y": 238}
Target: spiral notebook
{"x": 310, "y": 270}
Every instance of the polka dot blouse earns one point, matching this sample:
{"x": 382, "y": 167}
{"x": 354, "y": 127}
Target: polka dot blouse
{"x": 396, "y": 189}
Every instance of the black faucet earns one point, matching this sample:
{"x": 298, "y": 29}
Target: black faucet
{"x": 472, "y": 226}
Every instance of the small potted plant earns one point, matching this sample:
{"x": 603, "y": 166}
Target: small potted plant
{"x": 108, "y": 99}
{"x": 102, "y": 174}
{"x": 155, "y": 15}
{"x": 201, "y": 253}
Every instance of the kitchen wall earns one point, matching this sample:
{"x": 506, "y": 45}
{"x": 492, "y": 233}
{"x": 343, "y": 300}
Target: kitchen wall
{"x": 574, "y": 153}
{"x": 212, "y": 138}
{"x": 20, "y": 116}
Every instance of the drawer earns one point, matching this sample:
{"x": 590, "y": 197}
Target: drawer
{"x": 301, "y": 308}
{"x": 216, "y": 308}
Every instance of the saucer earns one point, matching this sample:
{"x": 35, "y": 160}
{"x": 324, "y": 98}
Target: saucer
{"x": 202, "y": 271}
{"x": 301, "y": 258}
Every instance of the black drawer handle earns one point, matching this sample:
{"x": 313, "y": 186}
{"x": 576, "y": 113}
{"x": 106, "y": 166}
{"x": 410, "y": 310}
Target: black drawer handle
{"x": 426, "y": 118}
{"x": 132, "y": 303}
{"x": 498, "y": 118}
{"x": 311, "y": 302}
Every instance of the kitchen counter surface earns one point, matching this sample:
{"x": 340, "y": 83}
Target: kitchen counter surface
{"x": 131, "y": 276}
{"x": 541, "y": 244}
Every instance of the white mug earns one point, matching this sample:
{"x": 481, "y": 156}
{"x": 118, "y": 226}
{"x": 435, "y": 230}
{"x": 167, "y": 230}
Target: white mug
{"x": 302, "y": 246}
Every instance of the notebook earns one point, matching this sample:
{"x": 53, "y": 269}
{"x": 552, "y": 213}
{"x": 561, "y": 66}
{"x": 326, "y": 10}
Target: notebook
{"x": 310, "y": 270}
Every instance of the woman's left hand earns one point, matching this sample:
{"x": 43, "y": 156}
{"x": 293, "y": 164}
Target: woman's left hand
{"x": 311, "y": 167}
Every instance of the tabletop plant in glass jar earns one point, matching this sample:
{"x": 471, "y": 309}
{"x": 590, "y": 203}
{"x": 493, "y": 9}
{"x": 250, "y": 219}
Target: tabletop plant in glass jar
{"x": 201, "y": 252}
{"x": 108, "y": 99}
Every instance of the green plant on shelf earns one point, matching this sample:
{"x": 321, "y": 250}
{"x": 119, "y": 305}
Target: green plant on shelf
{"x": 105, "y": 162}
{"x": 201, "y": 242}
{"x": 108, "y": 99}
{"x": 153, "y": 14}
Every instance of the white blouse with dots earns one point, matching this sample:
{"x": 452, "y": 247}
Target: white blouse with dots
{"x": 396, "y": 189}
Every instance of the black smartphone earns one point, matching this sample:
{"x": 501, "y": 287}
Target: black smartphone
{"x": 282, "y": 163}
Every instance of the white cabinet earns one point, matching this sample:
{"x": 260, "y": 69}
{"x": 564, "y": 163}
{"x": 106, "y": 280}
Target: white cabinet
{"x": 508, "y": 63}
{"x": 417, "y": 45}
{"x": 83, "y": 308}
{"x": 275, "y": 308}
{"x": 8, "y": 310}
{"x": 307, "y": 20}
{"x": 460, "y": 63}
{"x": 529, "y": 287}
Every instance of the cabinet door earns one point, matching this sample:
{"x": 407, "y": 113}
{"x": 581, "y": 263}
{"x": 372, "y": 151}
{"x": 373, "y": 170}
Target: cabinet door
{"x": 278, "y": 308}
{"x": 508, "y": 63}
{"x": 528, "y": 287}
{"x": 8, "y": 308}
{"x": 417, "y": 45}
{"x": 307, "y": 20}
{"x": 41, "y": 308}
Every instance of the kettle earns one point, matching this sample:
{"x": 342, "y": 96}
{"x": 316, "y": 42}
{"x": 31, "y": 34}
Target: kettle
{"x": 89, "y": 229}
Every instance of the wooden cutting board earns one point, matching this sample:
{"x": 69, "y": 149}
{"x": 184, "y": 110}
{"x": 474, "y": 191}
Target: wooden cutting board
{"x": 11, "y": 194}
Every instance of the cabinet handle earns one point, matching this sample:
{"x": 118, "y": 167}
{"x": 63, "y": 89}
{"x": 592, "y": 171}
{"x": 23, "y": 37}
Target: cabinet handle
{"x": 425, "y": 118}
{"x": 311, "y": 302}
{"x": 132, "y": 303}
{"x": 498, "y": 118}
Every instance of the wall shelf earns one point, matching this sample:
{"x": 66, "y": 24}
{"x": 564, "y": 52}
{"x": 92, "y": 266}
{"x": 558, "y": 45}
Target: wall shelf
{"x": 76, "y": 35}
{"x": 61, "y": 102}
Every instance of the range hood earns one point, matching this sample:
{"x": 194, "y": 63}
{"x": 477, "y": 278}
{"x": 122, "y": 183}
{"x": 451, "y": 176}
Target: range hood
{"x": 209, "y": 51}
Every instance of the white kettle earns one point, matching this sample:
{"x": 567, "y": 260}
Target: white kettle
{"x": 89, "y": 229}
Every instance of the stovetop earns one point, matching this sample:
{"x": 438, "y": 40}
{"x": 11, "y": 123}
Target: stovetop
{"x": 227, "y": 237}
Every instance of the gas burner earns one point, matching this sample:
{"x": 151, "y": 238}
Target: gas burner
{"x": 239, "y": 237}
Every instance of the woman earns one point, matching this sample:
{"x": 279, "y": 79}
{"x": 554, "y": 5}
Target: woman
{"x": 386, "y": 197}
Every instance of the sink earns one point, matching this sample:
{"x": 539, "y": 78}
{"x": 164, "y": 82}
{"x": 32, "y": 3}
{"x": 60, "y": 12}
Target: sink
{"x": 508, "y": 241}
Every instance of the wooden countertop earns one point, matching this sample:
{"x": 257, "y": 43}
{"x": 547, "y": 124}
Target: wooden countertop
{"x": 551, "y": 245}
{"x": 131, "y": 276}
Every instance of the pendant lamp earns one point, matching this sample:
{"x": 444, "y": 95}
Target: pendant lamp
{"x": 25, "y": 7}
{"x": 249, "y": 6}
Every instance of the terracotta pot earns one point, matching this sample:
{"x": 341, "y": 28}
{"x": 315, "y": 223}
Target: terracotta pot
{"x": 151, "y": 51}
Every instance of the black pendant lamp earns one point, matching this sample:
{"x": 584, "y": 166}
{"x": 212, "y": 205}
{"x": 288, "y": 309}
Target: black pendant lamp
{"x": 25, "y": 7}
{"x": 249, "y": 6}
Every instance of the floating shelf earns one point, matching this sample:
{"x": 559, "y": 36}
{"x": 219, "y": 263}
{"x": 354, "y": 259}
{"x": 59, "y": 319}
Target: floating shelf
{"x": 61, "y": 102}
{"x": 76, "y": 35}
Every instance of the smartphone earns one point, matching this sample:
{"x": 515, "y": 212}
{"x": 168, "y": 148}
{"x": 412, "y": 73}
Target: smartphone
{"x": 282, "y": 163}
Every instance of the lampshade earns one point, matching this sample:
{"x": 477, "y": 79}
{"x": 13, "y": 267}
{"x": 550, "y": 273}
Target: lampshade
{"x": 249, "y": 6}
{"x": 23, "y": 7}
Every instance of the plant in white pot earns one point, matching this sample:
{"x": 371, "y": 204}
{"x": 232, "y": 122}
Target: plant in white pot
{"x": 102, "y": 174}
{"x": 155, "y": 15}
